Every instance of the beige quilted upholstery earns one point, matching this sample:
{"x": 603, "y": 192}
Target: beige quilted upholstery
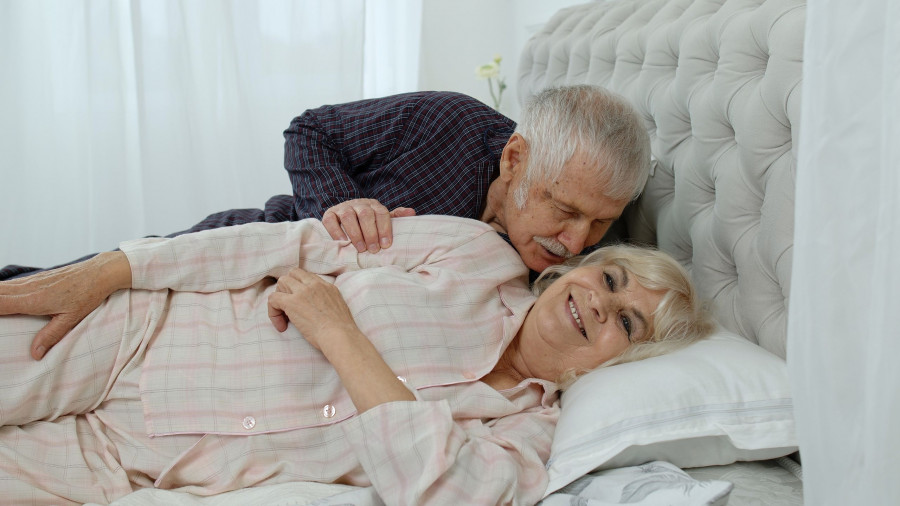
{"x": 718, "y": 83}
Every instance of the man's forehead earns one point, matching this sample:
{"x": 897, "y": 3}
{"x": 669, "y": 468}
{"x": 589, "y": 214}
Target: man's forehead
{"x": 582, "y": 184}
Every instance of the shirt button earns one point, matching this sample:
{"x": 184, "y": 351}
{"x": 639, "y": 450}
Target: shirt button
{"x": 402, "y": 379}
{"x": 249, "y": 422}
{"x": 328, "y": 411}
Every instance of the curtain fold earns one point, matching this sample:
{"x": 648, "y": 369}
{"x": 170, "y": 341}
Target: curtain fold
{"x": 843, "y": 342}
{"x": 120, "y": 119}
{"x": 392, "y": 42}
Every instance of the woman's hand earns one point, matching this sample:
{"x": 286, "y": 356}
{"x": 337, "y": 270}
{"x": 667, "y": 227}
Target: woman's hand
{"x": 67, "y": 295}
{"x": 365, "y": 222}
{"x": 319, "y": 312}
{"x": 313, "y": 305}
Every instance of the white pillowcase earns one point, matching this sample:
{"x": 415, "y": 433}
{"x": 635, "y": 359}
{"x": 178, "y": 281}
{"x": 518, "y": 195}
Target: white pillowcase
{"x": 715, "y": 402}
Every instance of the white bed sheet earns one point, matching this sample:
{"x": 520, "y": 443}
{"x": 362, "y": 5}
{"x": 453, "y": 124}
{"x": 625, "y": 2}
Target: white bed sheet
{"x": 759, "y": 483}
{"x": 658, "y": 483}
{"x": 285, "y": 494}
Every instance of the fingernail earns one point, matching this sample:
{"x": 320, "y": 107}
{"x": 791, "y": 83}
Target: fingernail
{"x": 360, "y": 246}
{"x": 41, "y": 350}
{"x": 385, "y": 242}
{"x": 373, "y": 248}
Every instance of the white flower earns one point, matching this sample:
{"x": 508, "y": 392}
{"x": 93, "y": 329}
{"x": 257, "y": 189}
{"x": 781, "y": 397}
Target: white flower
{"x": 491, "y": 72}
{"x": 488, "y": 70}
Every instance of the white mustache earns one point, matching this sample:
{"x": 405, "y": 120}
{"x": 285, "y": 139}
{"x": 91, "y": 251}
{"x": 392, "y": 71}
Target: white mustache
{"x": 554, "y": 246}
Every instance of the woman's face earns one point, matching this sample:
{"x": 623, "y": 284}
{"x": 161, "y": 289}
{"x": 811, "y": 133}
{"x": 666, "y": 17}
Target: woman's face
{"x": 586, "y": 317}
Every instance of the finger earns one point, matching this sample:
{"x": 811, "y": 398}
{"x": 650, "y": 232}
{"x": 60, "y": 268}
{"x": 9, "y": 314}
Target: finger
{"x": 51, "y": 334}
{"x": 350, "y": 223}
{"x": 304, "y": 278}
{"x": 289, "y": 284}
{"x": 333, "y": 226}
{"x": 403, "y": 212}
{"x": 385, "y": 230}
{"x": 276, "y": 315}
{"x": 369, "y": 218}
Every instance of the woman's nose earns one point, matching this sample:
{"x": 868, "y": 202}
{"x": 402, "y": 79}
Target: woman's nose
{"x": 599, "y": 306}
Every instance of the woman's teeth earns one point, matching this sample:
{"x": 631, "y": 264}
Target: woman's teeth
{"x": 575, "y": 315}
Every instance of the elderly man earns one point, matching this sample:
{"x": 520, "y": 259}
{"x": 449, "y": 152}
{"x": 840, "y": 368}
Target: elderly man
{"x": 551, "y": 185}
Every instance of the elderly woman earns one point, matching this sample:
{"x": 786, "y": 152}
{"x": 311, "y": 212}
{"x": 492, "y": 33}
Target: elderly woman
{"x": 428, "y": 370}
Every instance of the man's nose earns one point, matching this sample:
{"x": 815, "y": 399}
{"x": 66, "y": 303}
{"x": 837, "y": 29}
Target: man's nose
{"x": 574, "y": 237}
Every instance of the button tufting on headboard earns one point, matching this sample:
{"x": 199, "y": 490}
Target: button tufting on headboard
{"x": 718, "y": 84}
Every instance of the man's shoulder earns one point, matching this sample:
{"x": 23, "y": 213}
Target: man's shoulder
{"x": 450, "y": 97}
{"x": 438, "y": 104}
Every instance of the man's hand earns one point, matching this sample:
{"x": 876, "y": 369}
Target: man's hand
{"x": 365, "y": 222}
{"x": 67, "y": 295}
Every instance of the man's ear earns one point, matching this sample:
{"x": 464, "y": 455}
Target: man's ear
{"x": 513, "y": 158}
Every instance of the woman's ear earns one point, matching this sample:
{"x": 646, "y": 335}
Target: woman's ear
{"x": 513, "y": 158}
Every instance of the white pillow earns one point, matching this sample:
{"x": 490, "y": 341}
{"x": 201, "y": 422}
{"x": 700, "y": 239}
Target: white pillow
{"x": 715, "y": 402}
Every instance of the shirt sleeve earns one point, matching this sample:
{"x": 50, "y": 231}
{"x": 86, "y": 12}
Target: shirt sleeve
{"x": 419, "y": 150}
{"x": 237, "y": 257}
{"x": 415, "y": 453}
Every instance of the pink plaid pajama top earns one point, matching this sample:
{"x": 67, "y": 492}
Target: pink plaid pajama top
{"x": 440, "y": 305}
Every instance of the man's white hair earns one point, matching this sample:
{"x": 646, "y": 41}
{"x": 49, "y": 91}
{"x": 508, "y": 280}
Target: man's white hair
{"x": 559, "y": 121}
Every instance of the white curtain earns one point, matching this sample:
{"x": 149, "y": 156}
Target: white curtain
{"x": 844, "y": 333}
{"x": 121, "y": 119}
{"x": 392, "y": 44}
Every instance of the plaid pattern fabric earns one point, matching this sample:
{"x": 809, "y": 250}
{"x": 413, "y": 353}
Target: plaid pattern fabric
{"x": 71, "y": 425}
{"x": 436, "y": 152}
{"x": 440, "y": 306}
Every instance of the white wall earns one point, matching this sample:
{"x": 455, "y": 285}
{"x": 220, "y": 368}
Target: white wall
{"x": 460, "y": 35}
{"x": 456, "y": 37}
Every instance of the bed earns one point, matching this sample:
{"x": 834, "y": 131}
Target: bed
{"x": 718, "y": 84}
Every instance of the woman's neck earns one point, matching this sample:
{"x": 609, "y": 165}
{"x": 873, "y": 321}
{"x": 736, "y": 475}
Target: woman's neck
{"x": 505, "y": 374}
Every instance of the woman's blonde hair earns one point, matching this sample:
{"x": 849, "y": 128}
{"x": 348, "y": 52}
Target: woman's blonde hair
{"x": 680, "y": 318}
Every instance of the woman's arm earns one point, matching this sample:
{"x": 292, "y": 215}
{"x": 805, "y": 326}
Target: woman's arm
{"x": 67, "y": 294}
{"x": 415, "y": 452}
{"x": 237, "y": 257}
{"x": 319, "y": 312}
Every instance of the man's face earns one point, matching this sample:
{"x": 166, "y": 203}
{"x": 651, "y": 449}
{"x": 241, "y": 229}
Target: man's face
{"x": 560, "y": 218}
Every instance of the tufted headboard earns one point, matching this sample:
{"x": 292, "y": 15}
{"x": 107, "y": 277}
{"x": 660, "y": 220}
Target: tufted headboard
{"x": 718, "y": 84}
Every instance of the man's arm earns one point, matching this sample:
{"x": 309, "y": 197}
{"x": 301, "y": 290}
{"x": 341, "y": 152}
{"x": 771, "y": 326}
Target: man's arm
{"x": 330, "y": 150}
{"x": 356, "y": 165}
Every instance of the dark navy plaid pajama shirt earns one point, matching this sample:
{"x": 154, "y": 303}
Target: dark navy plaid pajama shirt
{"x": 436, "y": 152}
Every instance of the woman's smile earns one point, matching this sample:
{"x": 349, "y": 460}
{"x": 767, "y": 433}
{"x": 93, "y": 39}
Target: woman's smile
{"x": 576, "y": 317}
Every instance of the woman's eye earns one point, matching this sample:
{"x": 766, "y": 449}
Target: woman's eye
{"x": 626, "y": 322}
{"x": 610, "y": 282}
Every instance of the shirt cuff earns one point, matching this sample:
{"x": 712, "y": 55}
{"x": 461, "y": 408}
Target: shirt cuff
{"x": 404, "y": 446}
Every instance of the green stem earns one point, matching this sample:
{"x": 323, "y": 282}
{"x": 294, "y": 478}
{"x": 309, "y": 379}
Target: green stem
{"x": 493, "y": 97}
